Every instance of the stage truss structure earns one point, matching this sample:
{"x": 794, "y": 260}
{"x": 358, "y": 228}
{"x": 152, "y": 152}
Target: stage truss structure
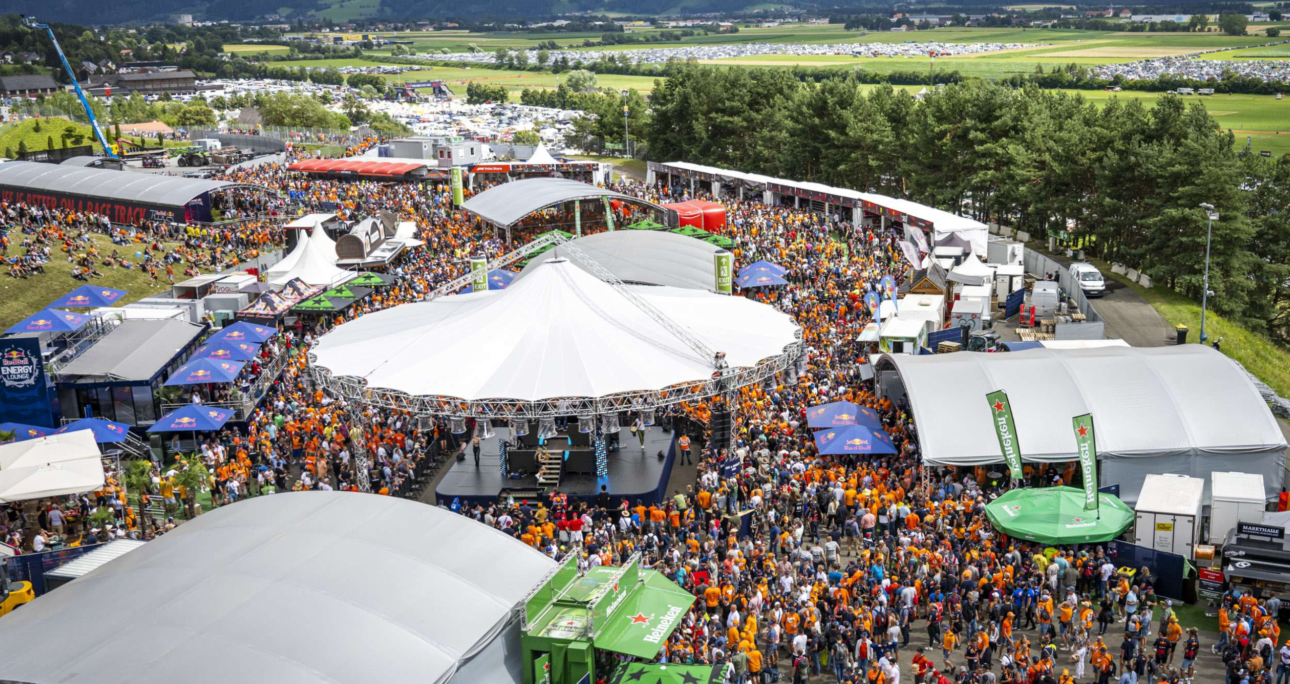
{"x": 724, "y": 381}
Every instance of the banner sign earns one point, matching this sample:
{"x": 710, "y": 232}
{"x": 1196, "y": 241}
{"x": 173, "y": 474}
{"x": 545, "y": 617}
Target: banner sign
{"x": 24, "y": 389}
{"x": 1257, "y": 530}
{"x": 478, "y": 274}
{"x": 609, "y": 215}
{"x": 888, "y": 286}
{"x": 457, "y": 192}
{"x": 1006, "y": 429}
{"x": 910, "y": 252}
{"x": 1086, "y": 445}
{"x": 1211, "y": 583}
{"x": 126, "y": 213}
{"x": 577, "y": 218}
{"x": 542, "y": 669}
{"x": 871, "y": 300}
{"x": 724, "y": 262}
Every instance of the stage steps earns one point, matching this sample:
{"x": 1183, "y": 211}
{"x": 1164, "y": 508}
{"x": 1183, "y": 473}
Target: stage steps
{"x": 550, "y": 464}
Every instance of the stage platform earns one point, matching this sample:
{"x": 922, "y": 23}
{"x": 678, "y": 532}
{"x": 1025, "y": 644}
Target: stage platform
{"x": 633, "y": 473}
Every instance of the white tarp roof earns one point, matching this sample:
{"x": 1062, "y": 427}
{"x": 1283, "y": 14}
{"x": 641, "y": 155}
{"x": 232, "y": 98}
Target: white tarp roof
{"x": 655, "y": 257}
{"x": 1180, "y": 409}
{"x": 313, "y": 261}
{"x": 295, "y": 588}
{"x": 541, "y": 156}
{"x": 56, "y": 465}
{"x": 1172, "y": 494}
{"x": 972, "y": 272}
{"x": 559, "y": 332}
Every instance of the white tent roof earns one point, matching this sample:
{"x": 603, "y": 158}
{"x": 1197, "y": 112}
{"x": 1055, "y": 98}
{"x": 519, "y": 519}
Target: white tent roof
{"x": 653, "y": 257}
{"x": 559, "y": 332}
{"x": 972, "y": 272}
{"x": 314, "y": 262}
{"x": 56, "y": 465}
{"x": 1180, "y": 409}
{"x": 310, "y": 221}
{"x": 295, "y": 588}
{"x": 541, "y": 156}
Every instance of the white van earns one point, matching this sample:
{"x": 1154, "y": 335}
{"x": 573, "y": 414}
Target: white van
{"x": 1089, "y": 278}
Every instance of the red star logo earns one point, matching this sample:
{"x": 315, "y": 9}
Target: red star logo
{"x": 1083, "y": 431}
{"x": 640, "y": 619}
{"x": 998, "y": 406}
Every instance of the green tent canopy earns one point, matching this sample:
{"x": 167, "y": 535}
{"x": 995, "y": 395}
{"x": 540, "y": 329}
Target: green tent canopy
{"x": 720, "y": 241}
{"x": 645, "y": 619}
{"x": 1056, "y": 515}
{"x": 347, "y": 292}
{"x": 372, "y": 280}
{"x": 646, "y": 225}
{"x": 651, "y": 673}
{"x": 323, "y": 304}
{"x": 691, "y": 231}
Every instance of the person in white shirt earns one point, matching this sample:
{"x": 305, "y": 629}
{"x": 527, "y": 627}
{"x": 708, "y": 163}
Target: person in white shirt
{"x": 38, "y": 542}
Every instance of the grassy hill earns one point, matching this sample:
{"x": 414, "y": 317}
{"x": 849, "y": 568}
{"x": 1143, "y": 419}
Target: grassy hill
{"x": 39, "y": 134}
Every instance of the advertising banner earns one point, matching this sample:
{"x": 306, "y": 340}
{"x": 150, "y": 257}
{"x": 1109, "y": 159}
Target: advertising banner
{"x": 24, "y": 391}
{"x": 120, "y": 211}
{"x": 542, "y": 669}
{"x": 1086, "y": 445}
{"x": 457, "y": 191}
{"x": 1006, "y": 430}
{"x": 1210, "y": 586}
{"x": 577, "y": 218}
{"x": 478, "y": 274}
{"x": 888, "y": 286}
{"x": 725, "y": 277}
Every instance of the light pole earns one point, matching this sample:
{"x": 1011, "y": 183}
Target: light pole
{"x": 627, "y": 141}
{"x": 1204, "y": 294}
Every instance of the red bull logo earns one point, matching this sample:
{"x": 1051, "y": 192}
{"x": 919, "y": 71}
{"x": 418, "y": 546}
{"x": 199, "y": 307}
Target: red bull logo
{"x": 79, "y": 300}
{"x": 184, "y": 422}
{"x": 226, "y": 366}
{"x": 235, "y": 335}
{"x": 18, "y": 369}
{"x": 858, "y": 443}
{"x": 843, "y": 419}
{"x": 197, "y": 374}
{"x": 221, "y": 354}
{"x": 41, "y": 324}
{"x": 116, "y": 428}
{"x": 214, "y": 414}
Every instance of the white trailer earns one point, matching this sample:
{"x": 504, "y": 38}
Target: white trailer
{"x": 1168, "y": 514}
{"x": 1234, "y": 497}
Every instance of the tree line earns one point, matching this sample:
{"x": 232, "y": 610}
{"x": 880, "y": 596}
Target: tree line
{"x": 1124, "y": 180}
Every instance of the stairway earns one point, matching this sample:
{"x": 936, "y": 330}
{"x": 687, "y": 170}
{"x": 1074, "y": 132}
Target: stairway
{"x": 550, "y": 465}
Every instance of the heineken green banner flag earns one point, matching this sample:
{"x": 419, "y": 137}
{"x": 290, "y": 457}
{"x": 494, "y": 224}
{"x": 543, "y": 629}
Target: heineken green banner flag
{"x": 577, "y": 217}
{"x": 1006, "y": 429}
{"x": 641, "y": 624}
{"x": 725, "y": 276}
{"x": 478, "y": 274}
{"x": 609, "y": 215}
{"x": 457, "y": 192}
{"x": 1086, "y": 445}
{"x": 542, "y": 669}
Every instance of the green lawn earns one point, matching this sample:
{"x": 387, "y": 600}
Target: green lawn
{"x": 25, "y": 132}
{"x": 1269, "y": 362}
{"x": 20, "y": 298}
{"x": 254, "y": 48}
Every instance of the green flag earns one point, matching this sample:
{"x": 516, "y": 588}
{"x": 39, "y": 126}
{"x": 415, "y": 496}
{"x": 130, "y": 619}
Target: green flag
{"x": 542, "y": 669}
{"x": 457, "y": 190}
{"x": 609, "y": 215}
{"x": 1006, "y": 430}
{"x": 1086, "y": 444}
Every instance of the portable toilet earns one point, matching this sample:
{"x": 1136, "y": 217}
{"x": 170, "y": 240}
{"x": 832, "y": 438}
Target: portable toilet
{"x": 1234, "y": 497}
{"x": 1169, "y": 513}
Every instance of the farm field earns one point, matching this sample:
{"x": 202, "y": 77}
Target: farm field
{"x": 253, "y": 48}
{"x": 515, "y": 81}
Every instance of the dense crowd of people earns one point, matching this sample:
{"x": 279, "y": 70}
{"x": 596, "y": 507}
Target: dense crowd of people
{"x": 862, "y": 569}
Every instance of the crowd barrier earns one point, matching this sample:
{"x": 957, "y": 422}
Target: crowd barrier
{"x": 33, "y": 566}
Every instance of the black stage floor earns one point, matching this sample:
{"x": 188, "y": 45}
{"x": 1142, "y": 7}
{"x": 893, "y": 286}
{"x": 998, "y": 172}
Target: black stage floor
{"x": 634, "y": 473}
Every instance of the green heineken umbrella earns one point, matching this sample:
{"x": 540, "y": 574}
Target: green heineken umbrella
{"x": 646, "y": 225}
{"x": 691, "y": 231}
{"x": 321, "y": 304}
{"x": 720, "y": 241}
{"x": 1056, "y": 515}
{"x": 372, "y": 280}
{"x": 650, "y": 673}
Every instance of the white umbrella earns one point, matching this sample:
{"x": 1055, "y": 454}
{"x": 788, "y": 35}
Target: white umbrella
{"x": 67, "y": 463}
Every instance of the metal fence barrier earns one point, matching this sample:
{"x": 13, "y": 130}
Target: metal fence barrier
{"x": 1166, "y": 568}
{"x": 33, "y": 566}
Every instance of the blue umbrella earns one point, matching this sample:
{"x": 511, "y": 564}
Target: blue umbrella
{"x": 89, "y": 295}
{"x": 193, "y": 418}
{"x": 775, "y": 269}
{"x": 244, "y": 332}
{"x": 841, "y": 413}
{"x": 49, "y": 320}
{"x": 759, "y": 278}
{"x": 853, "y": 439}
{"x": 222, "y": 350}
{"x": 23, "y": 432}
{"x": 499, "y": 279}
{"x": 202, "y": 371}
{"x": 105, "y": 431}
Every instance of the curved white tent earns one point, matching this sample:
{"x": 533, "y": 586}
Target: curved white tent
{"x": 295, "y": 588}
{"x": 559, "y": 333}
{"x": 1182, "y": 409}
{"x": 653, "y": 257}
{"x": 313, "y": 261}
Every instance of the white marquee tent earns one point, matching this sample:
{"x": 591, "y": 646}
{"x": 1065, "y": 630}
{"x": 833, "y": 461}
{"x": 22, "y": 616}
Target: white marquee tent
{"x": 313, "y": 261}
{"x": 1181, "y": 409}
{"x": 653, "y": 257}
{"x": 972, "y": 272}
{"x": 559, "y": 332}
{"x": 68, "y": 463}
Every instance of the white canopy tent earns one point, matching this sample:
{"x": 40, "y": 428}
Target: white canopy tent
{"x": 1182, "y": 409}
{"x": 541, "y": 156}
{"x": 68, "y": 463}
{"x": 559, "y": 333}
{"x": 313, "y": 261}
{"x": 652, "y": 257}
{"x": 972, "y": 272}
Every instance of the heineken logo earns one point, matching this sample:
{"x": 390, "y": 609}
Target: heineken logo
{"x": 999, "y": 406}
{"x": 641, "y": 619}
{"x": 1083, "y": 431}
{"x": 664, "y": 625}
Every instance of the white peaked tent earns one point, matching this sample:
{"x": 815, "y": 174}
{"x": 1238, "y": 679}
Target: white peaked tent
{"x": 559, "y": 332}
{"x": 541, "y": 156}
{"x": 972, "y": 272}
{"x": 313, "y": 261}
{"x": 56, "y": 465}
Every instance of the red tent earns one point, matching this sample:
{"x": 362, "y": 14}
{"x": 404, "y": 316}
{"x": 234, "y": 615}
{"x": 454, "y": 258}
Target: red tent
{"x": 714, "y": 215}
{"x": 689, "y": 214}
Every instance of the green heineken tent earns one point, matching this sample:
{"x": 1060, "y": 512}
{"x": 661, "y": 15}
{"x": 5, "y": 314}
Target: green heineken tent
{"x": 691, "y": 231}
{"x": 646, "y": 225}
{"x": 372, "y": 280}
{"x": 720, "y": 241}
{"x": 649, "y": 673}
{"x": 1056, "y": 515}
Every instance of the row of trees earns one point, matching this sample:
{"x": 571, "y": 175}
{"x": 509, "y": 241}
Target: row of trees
{"x": 1128, "y": 177}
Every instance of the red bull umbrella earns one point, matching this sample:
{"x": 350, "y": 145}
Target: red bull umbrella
{"x": 105, "y": 431}
{"x": 23, "y": 431}
{"x": 244, "y": 332}
{"x": 193, "y": 418}
{"x": 205, "y": 370}
{"x": 49, "y": 320}
{"x": 89, "y": 295}
{"x": 774, "y": 269}
{"x": 227, "y": 351}
{"x": 759, "y": 278}
{"x": 853, "y": 439}
{"x": 841, "y": 413}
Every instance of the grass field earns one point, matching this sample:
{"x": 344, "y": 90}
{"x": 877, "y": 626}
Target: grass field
{"x": 515, "y": 81}
{"x": 249, "y": 48}
{"x": 22, "y": 298}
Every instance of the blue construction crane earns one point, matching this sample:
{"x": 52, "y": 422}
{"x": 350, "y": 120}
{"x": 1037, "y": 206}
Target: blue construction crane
{"x": 30, "y": 22}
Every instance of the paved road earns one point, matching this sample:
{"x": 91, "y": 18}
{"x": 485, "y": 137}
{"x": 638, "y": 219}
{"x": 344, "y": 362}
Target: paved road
{"x": 1129, "y": 317}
